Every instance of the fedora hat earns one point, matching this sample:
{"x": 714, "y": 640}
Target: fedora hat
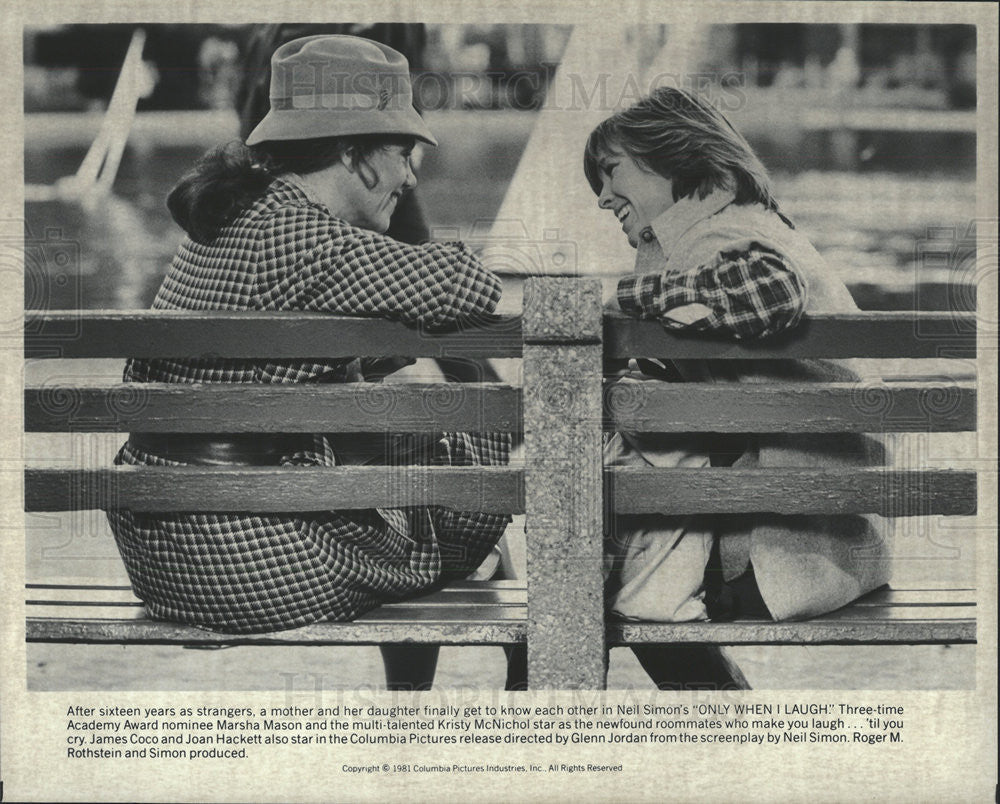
{"x": 335, "y": 86}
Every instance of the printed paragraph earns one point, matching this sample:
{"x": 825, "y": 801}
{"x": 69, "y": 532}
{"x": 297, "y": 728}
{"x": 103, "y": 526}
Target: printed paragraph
{"x": 206, "y": 732}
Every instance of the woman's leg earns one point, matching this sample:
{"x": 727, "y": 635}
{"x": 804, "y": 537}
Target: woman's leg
{"x": 690, "y": 667}
{"x": 517, "y": 668}
{"x": 671, "y": 667}
{"x": 409, "y": 667}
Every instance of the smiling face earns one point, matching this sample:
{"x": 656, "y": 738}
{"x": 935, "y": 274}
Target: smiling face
{"x": 378, "y": 183}
{"x": 635, "y": 194}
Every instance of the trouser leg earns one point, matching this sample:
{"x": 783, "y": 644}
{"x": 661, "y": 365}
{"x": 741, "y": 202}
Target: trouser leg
{"x": 517, "y": 667}
{"x": 690, "y": 667}
{"x": 409, "y": 667}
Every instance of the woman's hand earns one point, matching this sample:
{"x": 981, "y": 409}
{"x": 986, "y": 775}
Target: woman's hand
{"x": 375, "y": 369}
{"x": 609, "y": 294}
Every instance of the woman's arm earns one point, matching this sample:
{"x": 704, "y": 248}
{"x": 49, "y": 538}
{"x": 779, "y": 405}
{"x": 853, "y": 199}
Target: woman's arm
{"x": 324, "y": 264}
{"x": 746, "y": 293}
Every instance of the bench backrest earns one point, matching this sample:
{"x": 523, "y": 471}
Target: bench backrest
{"x": 563, "y": 338}
{"x": 57, "y": 406}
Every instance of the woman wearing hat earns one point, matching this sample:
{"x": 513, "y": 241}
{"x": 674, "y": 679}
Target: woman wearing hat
{"x": 294, "y": 219}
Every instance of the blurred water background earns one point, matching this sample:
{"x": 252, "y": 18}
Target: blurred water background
{"x": 873, "y": 225}
{"x": 868, "y": 130}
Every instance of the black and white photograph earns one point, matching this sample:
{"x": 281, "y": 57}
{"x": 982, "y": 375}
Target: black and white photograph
{"x": 547, "y": 389}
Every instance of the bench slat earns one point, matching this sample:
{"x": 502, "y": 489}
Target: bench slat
{"x": 917, "y": 597}
{"x": 480, "y": 594}
{"x": 793, "y": 491}
{"x": 884, "y": 334}
{"x": 793, "y": 407}
{"x": 813, "y": 632}
{"x": 410, "y": 621}
{"x": 397, "y": 612}
{"x": 303, "y": 408}
{"x": 368, "y": 407}
{"x": 500, "y": 489}
{"x": 185, "y": 333}
{"x": 891, "y": 613}
{"x": 78, "y": 613}
{"x": 487, "y": 632}
{"x": 495, "y": 489}
{"x": 80, "y": 582}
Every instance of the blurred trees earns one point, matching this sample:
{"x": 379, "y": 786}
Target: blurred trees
{"x": 509, "y": 66}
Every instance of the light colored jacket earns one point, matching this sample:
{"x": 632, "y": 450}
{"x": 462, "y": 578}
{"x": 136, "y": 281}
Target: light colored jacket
{"x": 805, "y": 565}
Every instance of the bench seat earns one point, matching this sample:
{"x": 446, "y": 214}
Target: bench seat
{"x": 495, "y": 613}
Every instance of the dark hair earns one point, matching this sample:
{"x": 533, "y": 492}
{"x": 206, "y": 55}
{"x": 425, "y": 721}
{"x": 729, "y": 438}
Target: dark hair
{"x": 685, "y": 139}
{"x": 229, "y": 178}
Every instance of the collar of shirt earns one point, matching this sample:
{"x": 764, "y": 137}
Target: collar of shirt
{"x": 289, "y": 188}
{"x": 671, "y": 225}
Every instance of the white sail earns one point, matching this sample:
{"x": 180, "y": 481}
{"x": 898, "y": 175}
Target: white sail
{"x": 93, "y": 179}
{"x": 549, "y": 221}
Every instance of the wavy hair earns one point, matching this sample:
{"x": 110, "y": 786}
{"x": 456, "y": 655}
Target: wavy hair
{"x": 685, "y": 139}
{"x": 231, "y": 177}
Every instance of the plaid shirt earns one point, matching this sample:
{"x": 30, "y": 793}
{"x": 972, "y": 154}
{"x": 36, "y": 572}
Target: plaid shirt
{"x": 245, "y": 572}
{"x": 287, "y": 253}
{"x": 747, "y": 294}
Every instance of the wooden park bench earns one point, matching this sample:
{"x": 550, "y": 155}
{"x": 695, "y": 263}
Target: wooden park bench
{"x": 563, "y": 338}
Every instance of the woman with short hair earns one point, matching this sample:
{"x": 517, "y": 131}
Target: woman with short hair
{"x": 715, "y": 255}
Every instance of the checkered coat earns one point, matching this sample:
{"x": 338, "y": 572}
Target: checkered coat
{"x": 256, "y": 572}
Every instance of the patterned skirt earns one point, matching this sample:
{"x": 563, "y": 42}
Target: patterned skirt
{"x": 246, "y": 573}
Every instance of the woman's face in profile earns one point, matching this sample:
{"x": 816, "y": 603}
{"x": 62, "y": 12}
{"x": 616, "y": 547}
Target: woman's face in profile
{"x": 386, "y": 174}
{"x": 635, "y": 194}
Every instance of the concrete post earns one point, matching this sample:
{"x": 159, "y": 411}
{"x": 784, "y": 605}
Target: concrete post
{"x": 563, "y": 497}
